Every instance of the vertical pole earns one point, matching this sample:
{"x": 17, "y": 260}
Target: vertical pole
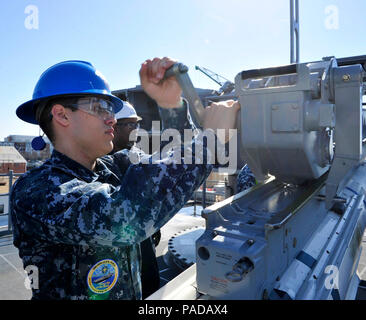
{"x": 297, "y": 31}
{"x": 195, "y": 201}
{"x": 294, "y": 32}
{"x": 204, "y": 195}
{"x": 10, "y": 185}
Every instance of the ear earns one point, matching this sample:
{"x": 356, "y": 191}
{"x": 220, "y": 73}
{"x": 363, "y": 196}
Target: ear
{"x": 60, "y": 115}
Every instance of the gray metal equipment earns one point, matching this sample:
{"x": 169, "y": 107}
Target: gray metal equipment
{"x": 297, "y": 234}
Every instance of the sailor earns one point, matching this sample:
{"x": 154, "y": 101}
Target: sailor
{"x": 128, "y": 122}
{"x": 125, "y": 134}
{"x": 79, "y": 217}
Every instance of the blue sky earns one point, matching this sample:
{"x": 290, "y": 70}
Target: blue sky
{"x": 118, "y": 35}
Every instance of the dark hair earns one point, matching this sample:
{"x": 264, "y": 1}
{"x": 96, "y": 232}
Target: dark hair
{"x": 44, "y": 116}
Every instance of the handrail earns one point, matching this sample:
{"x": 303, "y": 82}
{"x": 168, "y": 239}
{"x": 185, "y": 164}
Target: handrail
{"x": 11, "y": 175}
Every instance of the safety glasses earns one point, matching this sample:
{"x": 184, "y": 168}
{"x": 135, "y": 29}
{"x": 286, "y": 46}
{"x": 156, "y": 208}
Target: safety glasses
{"x": 98, "y": 107}
{"x": 130, "y": 125}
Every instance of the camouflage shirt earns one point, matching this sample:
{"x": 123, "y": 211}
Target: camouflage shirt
{"x": 245, "y": 179}
{"x": 81, "y": 229}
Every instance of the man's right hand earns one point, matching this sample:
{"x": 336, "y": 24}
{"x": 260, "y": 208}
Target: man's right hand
{"x": 166, "y": 92}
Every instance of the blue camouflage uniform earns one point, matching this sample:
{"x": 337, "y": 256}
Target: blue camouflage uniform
{"x": 81, "y": 229}
{"x": 245, "y": 179}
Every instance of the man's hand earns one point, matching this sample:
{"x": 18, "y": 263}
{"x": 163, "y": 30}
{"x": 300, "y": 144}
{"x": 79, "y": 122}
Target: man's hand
{"x": 166, "y": 92}
{"x": 221, "y": 115}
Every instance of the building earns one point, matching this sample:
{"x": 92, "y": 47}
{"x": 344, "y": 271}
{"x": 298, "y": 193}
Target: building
{"x": 24, "y": 145}
{"x": 11, "y": 159}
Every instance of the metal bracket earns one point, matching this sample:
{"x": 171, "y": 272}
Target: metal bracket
{"x": 347, "y": 81}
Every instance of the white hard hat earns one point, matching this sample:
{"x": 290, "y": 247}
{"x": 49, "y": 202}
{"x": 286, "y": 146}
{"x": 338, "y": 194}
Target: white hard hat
{"x": 128, "y": 111}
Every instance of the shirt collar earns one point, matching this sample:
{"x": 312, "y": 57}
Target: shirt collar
{"x": 66, "y": 164}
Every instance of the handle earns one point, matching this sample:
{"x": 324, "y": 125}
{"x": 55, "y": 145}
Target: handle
{"x": 196, "y": 109}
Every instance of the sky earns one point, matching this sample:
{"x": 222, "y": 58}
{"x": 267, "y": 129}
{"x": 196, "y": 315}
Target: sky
{"x": 117, "y": 36}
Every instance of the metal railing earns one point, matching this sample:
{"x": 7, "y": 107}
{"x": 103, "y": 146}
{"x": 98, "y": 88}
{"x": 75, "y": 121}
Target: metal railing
{"x": 214, "y": 196}
{"x": 6, "y": 229}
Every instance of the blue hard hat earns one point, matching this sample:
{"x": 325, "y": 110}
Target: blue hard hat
{"x": 68, "y": 78}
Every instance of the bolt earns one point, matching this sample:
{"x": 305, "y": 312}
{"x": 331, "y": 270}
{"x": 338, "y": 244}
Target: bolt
{"x": 346, "y": 77}
{"x": 294, "y": 242}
